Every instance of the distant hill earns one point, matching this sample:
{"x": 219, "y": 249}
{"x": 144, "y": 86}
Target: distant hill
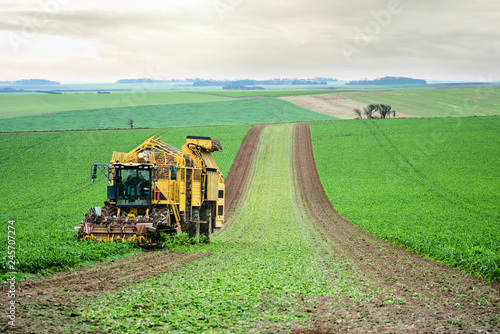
{"x": 251, "y": 82}
{"x": 142, "y": 80}
{"x": 35, "y": 82}
{"x": 242, "y": 87}
{"x": 388, "y": 81}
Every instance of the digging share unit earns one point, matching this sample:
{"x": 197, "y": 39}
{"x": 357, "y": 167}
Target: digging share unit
{"x": 158, "y": 188}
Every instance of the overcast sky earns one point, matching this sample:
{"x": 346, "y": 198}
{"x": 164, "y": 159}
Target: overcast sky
{"x": 106, "y": 40}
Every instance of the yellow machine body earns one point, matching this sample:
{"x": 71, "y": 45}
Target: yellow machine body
{"x": 157, "y": 187}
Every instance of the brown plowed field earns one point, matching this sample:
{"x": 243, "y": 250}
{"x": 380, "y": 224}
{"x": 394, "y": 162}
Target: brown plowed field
{"x": 436, "y": 298}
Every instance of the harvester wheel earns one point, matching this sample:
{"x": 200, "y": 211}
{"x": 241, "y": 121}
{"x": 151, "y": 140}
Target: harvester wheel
{"x": 109, "y": 211}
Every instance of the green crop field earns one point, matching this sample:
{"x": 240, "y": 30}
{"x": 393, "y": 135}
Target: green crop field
{"x": 25, "y": 104}
{"x": 436, "y": 102}
{"x": 46, "y": 188}
{"x": 244, "y": 111}
{"x": 431, "y": 185}
{"x": 254, "y": 273}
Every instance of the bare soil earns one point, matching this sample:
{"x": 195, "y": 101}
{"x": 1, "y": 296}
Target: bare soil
{"x": 333, "y": 104}
{"x": 416, "y": 295}
{"x": 238, "y": 174}
{"x": 48, "y": 304}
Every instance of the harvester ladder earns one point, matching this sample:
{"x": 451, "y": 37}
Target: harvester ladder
{"x": 189, "y": 191}
{"x": 177, "y": 216}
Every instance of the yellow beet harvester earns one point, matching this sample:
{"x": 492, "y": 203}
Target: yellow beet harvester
{"x": 157, "y": 187}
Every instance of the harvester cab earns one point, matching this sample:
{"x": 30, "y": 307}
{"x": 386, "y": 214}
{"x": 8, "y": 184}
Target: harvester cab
{"x": 157, "y": 187}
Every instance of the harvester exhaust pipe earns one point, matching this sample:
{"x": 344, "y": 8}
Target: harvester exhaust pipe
{"x": 93, "y": 174}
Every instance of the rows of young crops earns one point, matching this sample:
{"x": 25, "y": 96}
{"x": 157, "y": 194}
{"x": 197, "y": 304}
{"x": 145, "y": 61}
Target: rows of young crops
{"x": 431, "y": 185}
{"x": 46, "y": 189}
{"x": 25, "y": 104}
{"x": 436, "y": 102}
{"x": 263, "y": 268}
{"x": 242, "y": 111}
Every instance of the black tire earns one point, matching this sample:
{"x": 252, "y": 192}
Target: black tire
{"x": 109, "y": 211}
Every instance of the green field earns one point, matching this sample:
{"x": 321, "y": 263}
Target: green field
{"x": 265, "y": 258}
{"x": 242, "y": 111}
{"x": 25, "y": 104}
{"x": 436, "y": 102}
{"x": 47, "y": 188}
{"x": 431, "y": 185}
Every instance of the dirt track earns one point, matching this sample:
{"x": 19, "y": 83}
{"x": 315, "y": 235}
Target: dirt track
{"x": 47, "y": 304}
{"x": 436, "y": 298}
{"x": 237, "y": 176}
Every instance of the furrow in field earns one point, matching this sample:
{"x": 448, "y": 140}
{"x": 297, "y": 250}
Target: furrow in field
{"x": 239, "y": 172}
{"x": 440, "y": 296}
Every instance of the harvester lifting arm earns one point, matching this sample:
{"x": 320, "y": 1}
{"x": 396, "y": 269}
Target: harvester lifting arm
{"x": 103, "y": 168}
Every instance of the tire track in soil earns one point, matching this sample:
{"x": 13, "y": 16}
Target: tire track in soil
{"x": 437, "y": 298}
{"x": 237, "y": 175}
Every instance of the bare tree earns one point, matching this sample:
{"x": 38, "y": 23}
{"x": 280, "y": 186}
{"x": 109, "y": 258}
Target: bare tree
{"x": 393, "y": 113}
{"x": 384, "y": 110}
{"x": 358, "y": 113}
{"x": 131, "y": 123}
{"x": 369, "y": 109}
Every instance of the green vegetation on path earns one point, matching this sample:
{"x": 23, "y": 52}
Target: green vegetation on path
{"x": 430, "y": 185}
{"x": 263, "y": 267}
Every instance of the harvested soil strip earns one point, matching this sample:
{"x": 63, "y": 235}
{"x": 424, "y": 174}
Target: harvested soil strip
{"x": 49, "y": 303}
{"x": 237, "y": 176}
{"x": 418, "y": 295}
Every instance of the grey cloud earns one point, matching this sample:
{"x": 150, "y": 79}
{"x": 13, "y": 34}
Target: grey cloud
{"x": 272, "y": 37}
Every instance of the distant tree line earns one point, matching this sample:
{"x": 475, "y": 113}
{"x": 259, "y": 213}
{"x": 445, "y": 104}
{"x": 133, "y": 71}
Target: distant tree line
{"x": 308, "y": 82}
{"x": 251, "y": 82}
{"x": 11, "y": 90}
{"x": 148, "y": 80}
{"x": 141, "y": 80}
{"x": 244, "y": 82}
{"x": 388, "y": 81}
{"x": 16, "y": 90}
{"x": 31, "y": 82}
{"x": 242, "y": 87}
{"x": 48, "y": 91}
